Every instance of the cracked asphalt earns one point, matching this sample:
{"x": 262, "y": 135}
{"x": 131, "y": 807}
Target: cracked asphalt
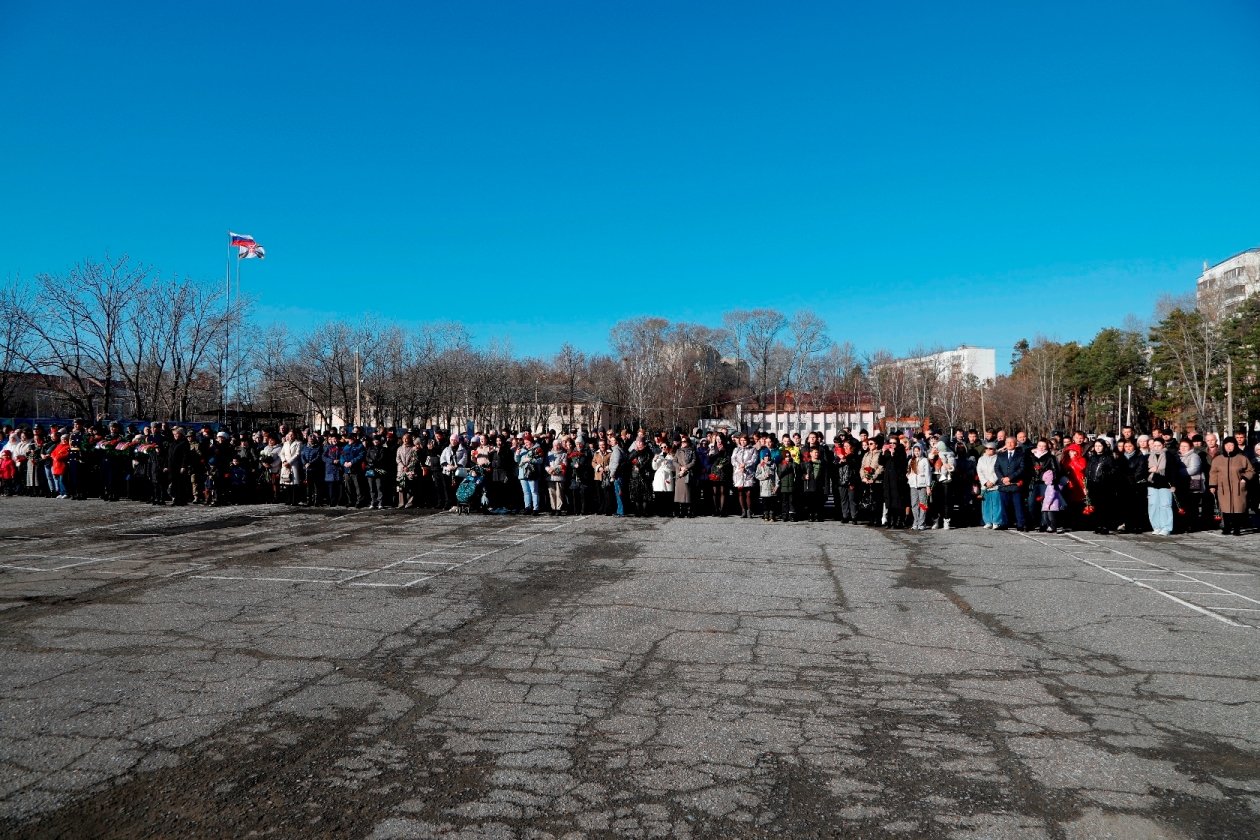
{"x": 273, "y": 672}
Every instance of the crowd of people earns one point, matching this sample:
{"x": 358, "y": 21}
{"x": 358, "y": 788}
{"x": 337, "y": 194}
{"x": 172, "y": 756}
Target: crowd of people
{"x": 1134, "y": 483}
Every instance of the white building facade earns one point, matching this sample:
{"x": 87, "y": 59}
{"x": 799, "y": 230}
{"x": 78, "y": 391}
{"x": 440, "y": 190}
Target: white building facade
{"x": 1223, "y": 287}
{"x": 826, "y": 423}
{"x": 980, "y": 362}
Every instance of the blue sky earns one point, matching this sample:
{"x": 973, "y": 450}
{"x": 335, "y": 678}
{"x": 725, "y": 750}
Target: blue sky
{"x": 540, "y": 171}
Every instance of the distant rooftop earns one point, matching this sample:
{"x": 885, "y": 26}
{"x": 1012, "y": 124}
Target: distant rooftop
{"x": 1235, "y": 256}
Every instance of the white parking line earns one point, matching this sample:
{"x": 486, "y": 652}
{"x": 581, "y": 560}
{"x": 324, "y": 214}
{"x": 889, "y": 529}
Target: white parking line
{"x": 1169, "y": 576}
{"x": 400, "y": 568}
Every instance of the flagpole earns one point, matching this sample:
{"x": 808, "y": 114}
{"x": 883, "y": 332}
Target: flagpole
{"x": 227, "y": 312}
{"x": 238, "y": 300}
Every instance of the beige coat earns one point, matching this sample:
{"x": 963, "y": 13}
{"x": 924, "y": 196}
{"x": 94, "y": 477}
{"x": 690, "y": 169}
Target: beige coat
{"x": 1228, "y": 479}
{"x": 684, "y": 465}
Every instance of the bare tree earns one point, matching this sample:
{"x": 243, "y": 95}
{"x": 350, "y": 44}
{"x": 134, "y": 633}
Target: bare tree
{"x": 1186, "y": 352}
{"x": 15, "y": 335}
{"x": 752, "y": 336}
{"x": 569, "y": 364}
{"x": 75, "y": 321}
{"x": 923, "y": 370}
{"x": 809, "y": 338}
{"x": 888, "y": 382}
{"x": 638, "y": 342}
{"x": 953, "y": 395}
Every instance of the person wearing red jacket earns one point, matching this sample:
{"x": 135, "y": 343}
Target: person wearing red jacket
{"x": 60, "y": 456}
{"x": 8, "y": 473}
{"x": 1073, "y": 465}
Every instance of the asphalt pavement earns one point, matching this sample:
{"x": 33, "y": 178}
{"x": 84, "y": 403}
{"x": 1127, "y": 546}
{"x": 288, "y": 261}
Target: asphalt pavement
{"x": 279, "y": 672}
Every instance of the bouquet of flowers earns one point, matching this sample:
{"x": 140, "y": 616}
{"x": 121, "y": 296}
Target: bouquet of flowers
{"x": 1089, "y": 507}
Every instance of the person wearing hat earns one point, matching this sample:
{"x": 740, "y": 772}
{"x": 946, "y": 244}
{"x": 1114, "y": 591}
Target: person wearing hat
{"x": 219, "y": 469}
{"x": 376, "y": 464}
{"x": 330, "y": 453}
{"x": 352, "y": 455}
{"x": 987, "y": 486}
{"x": 177, "y": 467}
{"x": 112, "y": 472}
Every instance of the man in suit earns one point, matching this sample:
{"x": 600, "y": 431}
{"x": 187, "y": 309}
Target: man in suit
{"x": 1011, "y": 470}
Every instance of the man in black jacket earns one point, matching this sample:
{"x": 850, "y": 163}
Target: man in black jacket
{"x": 177, "y": 464}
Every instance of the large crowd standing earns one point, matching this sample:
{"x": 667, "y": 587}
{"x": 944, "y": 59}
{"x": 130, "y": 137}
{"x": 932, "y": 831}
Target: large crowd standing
{"x": 1134, "y": 483}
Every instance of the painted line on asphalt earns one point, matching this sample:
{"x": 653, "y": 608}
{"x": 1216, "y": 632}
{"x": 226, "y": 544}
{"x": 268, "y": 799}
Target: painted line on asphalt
{"x": 1182, "y": 577}
{"x": 399, "y": 567}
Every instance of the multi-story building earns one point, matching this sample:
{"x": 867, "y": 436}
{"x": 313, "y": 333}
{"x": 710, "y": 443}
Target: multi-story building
{"x": 980, "y": 362}
{"x": 1223, "y": 287}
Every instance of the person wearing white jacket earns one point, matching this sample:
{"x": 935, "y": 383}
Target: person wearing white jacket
{"x": 986, "y": 478}
{"x": 290, "y": 467}
{"x": 664, "y": 474}
{"x": 919, "y": 477}
{"x": 743, "y": 475}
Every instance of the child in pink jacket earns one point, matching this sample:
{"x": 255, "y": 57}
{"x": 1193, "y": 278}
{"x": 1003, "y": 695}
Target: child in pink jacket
{"x": 1052, "y": 502}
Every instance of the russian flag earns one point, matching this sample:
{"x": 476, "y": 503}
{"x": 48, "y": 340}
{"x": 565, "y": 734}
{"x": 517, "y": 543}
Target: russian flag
{"x": 241, "y": 240}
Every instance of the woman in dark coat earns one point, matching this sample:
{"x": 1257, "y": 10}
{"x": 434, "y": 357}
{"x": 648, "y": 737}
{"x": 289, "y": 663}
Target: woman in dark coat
{"x": 896, "y": 489}
{"x": 719, "y": 475}
{"x": 813, "y": 483}
{"x": 1136, "y": 481}
{"x": 641, "y": 472}
{"x": 1102, "y": 486}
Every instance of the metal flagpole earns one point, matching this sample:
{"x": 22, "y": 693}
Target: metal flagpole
{"x": 227, "y": 312}
{"x": 237, "y": 360}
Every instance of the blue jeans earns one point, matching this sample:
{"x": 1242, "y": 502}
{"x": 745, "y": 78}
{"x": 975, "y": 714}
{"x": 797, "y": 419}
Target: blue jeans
{"x": 58, "y": 484}
{"x": 1159, "y": 508}
{"x": 618, "y": 487}
{"x": 1012, "y": 509}
{"x": 529, "y": 490}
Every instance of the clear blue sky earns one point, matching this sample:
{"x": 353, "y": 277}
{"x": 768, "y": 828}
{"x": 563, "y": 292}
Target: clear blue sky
{"x": 487, "y": 162}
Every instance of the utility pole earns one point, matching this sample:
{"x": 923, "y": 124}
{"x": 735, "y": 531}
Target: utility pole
{"x": 358, "y": 377}
{"x": 1229, "y": 396}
